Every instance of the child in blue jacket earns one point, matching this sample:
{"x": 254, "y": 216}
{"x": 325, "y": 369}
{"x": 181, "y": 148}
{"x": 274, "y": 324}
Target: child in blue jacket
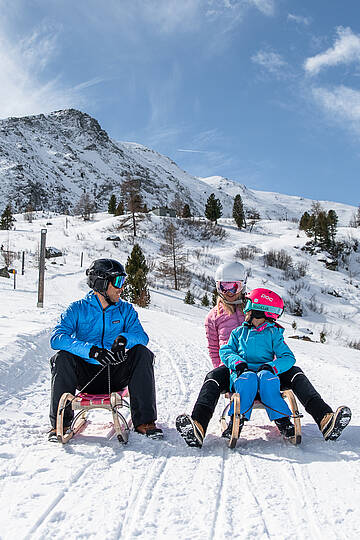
{"x": 255, "y": 354}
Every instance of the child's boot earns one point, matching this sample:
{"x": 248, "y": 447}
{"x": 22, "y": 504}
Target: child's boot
{"x": 332, "y": 424}
{"x": 285, "y": 427}
{"x": 191, "y": 430}
{"x": 227, "y": 433}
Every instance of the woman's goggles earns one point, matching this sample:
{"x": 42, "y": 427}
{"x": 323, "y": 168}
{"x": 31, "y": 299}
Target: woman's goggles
{"x": 118, "y": 281}
{"x": 232, "y": 287}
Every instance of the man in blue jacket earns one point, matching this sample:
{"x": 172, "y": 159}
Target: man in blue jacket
{"x": 98, "y": 331}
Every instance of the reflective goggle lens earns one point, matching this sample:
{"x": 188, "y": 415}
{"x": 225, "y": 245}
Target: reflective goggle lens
{"x": 231, "y": 286}
{"x": 118, "y": 281}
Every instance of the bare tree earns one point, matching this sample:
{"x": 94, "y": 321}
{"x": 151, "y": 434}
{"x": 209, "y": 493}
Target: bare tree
{"x": 130, "y": 190}
{"x": 85, "y": 207}
{"x": 173, "y": 265}
{"x": 177, "y": 204}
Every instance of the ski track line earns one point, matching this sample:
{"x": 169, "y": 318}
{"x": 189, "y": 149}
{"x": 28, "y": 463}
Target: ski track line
{"x": 219, "y": 503}
{"x": 175, "y": 367}
{"x": 46, "y": 515}
{"x": 139, "y": 497}
{"x": 302, "y": 487}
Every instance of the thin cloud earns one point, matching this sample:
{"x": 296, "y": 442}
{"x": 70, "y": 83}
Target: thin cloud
{"x": 271, "y": 61}
{"x": 341, "y": 103}
{"x": 192, "y": 151}
{"x": 299, "y": 19}
{"x": 267, "y": 7}
{"x": 345, "y": 50}
{"x": 91, "y": 82}
{"x": 24, "y": 89}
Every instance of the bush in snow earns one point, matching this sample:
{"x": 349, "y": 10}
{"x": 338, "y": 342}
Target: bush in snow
{"x": 294, "y": 306}
{"x": 297, "y": 271}
{"x": 278, "y": 259}
{"x": 354, "y": 344}
{"x": 247, "y": 252}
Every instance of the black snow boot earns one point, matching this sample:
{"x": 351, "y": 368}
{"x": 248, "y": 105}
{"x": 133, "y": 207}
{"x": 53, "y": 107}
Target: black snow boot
{"x": 227, "y": 433}
{"x": 191, "y": 431}
{"x": 285, "y": 427}
{"x": 332, "y": 424}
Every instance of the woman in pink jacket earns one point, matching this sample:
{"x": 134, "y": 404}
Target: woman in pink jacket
{"x": 222, "y": 319}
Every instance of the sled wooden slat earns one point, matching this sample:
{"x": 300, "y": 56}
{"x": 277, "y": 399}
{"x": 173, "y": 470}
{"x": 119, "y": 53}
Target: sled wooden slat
{"x": 82, "y": 403}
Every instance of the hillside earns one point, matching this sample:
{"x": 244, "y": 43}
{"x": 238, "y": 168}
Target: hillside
{"x": 93, "y": 487}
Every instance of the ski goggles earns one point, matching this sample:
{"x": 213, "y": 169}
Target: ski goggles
{"x": 249, "y": 306}
{"x": 118, "y": 281}
{"x": 232, "y": 287}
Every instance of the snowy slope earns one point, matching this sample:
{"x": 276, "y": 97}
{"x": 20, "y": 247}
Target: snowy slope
{"x": 94, "y": 488}
{"x": 272, "y": 205}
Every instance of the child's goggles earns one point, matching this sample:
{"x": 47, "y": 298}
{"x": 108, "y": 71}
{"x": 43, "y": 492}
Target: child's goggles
{"x": 118, "y": 281}
{"x": 231, "y": 286}
{"x": 249, "y": 306}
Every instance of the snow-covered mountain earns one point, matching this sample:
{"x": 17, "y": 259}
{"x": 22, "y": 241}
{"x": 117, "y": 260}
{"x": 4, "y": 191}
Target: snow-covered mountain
{"x": 50, "y": 160}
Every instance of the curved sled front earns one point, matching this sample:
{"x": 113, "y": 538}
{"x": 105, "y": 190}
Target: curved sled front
{"x": 83, "y": 402}
{"x": 289, "y": 396}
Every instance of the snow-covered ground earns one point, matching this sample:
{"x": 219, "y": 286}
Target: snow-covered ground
{"x": 95, "y": 488}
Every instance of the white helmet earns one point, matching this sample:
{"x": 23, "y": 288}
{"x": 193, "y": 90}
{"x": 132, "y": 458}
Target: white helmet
{"x": 230, "y": 272}
{"x": 233, "y": 271}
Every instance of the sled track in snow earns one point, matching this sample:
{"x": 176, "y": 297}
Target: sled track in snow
{"x": 47, "y": 514}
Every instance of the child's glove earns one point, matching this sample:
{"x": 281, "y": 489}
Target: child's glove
{"x": 266, "y": 367}
{"x": 240, "y": 368}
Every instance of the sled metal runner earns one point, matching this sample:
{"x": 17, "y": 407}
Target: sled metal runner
{"x": 235, "y": 399}
{"x": 82, "y": 403}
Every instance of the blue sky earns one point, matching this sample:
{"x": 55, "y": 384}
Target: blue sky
{"x": 264, "y": 92}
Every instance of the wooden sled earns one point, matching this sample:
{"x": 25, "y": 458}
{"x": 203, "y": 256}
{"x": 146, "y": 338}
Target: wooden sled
{"x": 235, "y": 399}
{"x": 82, "y": 403}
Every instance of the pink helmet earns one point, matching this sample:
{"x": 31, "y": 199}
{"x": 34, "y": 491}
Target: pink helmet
{"x": 265, "y": 300}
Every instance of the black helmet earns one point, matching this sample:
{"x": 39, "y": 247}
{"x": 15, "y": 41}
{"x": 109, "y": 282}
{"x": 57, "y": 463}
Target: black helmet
{"x": 101, "y": 272}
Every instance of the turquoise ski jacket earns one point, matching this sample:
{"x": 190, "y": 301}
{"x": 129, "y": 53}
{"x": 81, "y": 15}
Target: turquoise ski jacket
{"x": 85, "y": 323}
{"x": 257, "y": 346}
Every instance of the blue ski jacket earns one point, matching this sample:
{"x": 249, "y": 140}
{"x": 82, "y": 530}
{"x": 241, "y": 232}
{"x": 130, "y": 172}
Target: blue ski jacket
{"x": 85, "y": 323}
{"x": 257, "y": 346}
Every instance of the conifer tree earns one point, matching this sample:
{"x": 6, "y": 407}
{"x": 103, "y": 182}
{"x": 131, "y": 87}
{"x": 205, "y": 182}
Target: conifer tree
{"x": 213, "y": 208}
{"x": 205, "y": 301}
{"x": 189, "y": 298}
{"x": 304, "y": 222}
{"x": 7, "y": 219}
{"x": 238, "y": 212}
{"x": 112, "y": 205}
{"x": 332, "y": 219}
{"x": 119, "y": 209}
{"x": 136, "y": 286}
{"x": 186, "y": 212}
{"x": 215, "y": 295}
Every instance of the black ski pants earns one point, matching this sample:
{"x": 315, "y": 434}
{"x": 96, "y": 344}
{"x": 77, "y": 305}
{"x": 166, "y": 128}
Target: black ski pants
{"x": 217, "y": 381}
{"x": 70, "y": 373}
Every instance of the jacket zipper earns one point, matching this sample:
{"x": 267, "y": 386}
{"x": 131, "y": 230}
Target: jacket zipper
{"x": 103, "y": 331}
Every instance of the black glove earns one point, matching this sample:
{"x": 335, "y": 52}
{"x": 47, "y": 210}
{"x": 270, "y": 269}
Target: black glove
{"x": 266, "y": 367}
{"x": 118, "y": 347}
{"x": 240, "y": 368}
{"x": 103, "y": 356}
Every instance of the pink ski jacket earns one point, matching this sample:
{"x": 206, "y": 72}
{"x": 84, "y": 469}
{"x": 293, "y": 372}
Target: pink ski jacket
{"x": 218, "y": 327}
